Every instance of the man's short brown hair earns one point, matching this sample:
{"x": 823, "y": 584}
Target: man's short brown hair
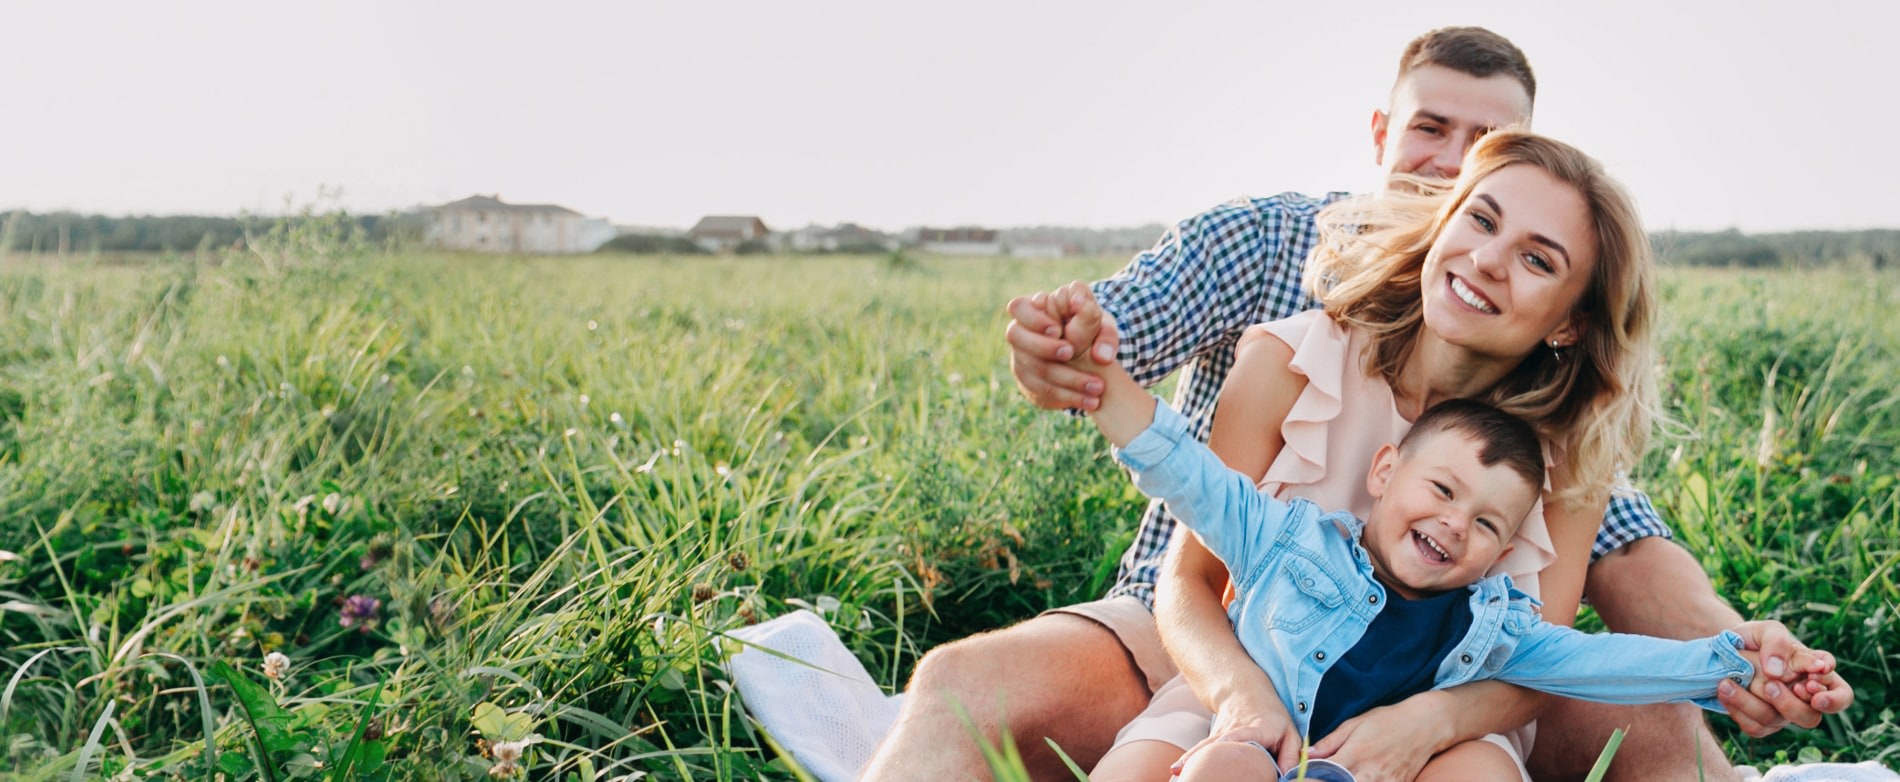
{"x": 1473, "y": 51}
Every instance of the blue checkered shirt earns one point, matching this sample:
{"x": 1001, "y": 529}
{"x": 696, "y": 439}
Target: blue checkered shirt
{"x": 1183, "y": 305}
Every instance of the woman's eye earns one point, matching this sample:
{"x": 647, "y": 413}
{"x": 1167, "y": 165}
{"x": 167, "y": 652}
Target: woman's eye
{"x": 1483, "y": 222}
{"x": 1540, "y": 262}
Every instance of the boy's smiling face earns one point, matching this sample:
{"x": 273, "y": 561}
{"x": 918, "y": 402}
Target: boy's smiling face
{"x": 1442, "y": 517}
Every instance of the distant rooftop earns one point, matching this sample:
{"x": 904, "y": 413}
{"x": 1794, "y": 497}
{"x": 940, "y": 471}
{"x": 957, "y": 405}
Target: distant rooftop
{"x": 494, "y": 202}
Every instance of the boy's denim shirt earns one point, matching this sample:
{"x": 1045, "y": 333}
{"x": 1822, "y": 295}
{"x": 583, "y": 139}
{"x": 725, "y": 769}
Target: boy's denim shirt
{"x": 1306, "y": 594}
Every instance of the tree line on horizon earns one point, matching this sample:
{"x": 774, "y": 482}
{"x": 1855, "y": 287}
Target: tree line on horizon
{"x": 72, "y": 233}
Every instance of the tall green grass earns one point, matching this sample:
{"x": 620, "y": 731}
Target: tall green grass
{"x": 561, "y": 478}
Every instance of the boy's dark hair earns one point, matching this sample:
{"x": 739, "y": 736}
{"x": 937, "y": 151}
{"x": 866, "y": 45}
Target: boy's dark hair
{"x": 1501, "y": 437}
{"x": 1474, "y": 51}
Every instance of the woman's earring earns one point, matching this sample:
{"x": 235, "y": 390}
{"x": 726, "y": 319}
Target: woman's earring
{"x": 1557, "y": 351}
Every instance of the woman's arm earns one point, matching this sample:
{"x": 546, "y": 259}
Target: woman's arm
{"x": 1193, "y": 625}
{"x": 1573, "y": 529}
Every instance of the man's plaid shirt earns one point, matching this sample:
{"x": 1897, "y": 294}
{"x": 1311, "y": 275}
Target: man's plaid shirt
{"x": 1185, "y": 302}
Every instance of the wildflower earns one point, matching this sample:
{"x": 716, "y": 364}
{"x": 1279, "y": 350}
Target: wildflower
{"x": 738, "y": 561}
{"x": 507, "y": 756}
{"x": 702, "y": 592}
{"x": 275, "y": 665}
{"x": 360, "y": 612}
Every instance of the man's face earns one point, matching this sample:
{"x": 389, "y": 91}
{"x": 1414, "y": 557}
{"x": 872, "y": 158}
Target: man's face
{"x": 1436, "y": 115}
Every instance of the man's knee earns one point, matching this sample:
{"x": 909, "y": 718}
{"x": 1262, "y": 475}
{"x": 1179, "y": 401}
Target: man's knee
{"x": 1660, "y": 742}
{"x": 1030, "y": 669}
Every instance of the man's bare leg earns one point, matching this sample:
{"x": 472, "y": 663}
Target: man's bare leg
{"x": 1659, "y": 745}
{"x": 1057, "y": 676}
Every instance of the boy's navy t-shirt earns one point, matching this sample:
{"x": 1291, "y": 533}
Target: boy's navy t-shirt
{"x": 1397, "y": 658}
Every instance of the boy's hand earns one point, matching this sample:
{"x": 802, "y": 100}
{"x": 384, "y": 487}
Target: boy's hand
{"x": 1038, "y": 352}
{"x": 1083, "y": 321}
{"x": 1271, "y": 729}
{"x": 1800, "y": 689}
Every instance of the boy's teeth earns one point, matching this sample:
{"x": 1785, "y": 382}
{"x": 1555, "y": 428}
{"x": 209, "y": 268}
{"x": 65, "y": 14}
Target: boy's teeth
{"x": 1471, "y": 297}
{"x": 1433, "y": 544}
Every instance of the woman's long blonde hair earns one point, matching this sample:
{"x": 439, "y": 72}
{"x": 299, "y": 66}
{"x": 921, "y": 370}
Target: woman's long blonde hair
{"x": 1596, "y": 404}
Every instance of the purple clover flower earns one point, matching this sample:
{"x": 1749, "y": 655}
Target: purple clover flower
{"x": 360, "y": 612}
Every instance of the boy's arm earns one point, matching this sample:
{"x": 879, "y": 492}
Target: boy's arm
{"x": 1616, "y": 668}
{"x": 1126, "y": 408}
{"x": 1219, "y": 504}
{"x": 1655, "y": 587}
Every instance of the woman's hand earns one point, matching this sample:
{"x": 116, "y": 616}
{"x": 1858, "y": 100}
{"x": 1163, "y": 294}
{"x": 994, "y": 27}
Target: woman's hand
{"x": 1389, "y": 743}
{"x": 1247, "y": 719}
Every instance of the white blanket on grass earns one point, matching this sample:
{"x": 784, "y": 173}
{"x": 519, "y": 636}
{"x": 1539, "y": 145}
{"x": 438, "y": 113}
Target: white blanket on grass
{"x": 1822, "y": 772}
{"x": 813, "y": 697}
{"x": 816, "y": 700}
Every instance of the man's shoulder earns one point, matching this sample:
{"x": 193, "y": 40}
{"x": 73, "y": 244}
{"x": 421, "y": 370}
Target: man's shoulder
{"x": 1288, "y": 204}
{"x": 1260, "y": 216}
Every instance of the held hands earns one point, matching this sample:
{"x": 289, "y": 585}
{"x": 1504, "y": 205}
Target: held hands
{"x": 1042, "y": 344}
{"x": 1793, "y": 684}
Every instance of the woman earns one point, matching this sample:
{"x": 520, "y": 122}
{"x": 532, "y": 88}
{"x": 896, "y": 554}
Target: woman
{"x": 1528, "y": 285}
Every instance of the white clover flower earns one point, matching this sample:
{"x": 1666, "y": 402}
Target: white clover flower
{"x": 275, "y": 665}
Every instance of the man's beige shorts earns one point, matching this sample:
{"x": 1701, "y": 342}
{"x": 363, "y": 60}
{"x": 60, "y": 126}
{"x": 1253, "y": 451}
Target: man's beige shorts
{"x": 1131, "y": 621}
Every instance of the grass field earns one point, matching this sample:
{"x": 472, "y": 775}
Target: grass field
{"x": 535, "y": 489}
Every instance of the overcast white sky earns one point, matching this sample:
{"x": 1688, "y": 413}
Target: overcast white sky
{"x": 1761, "y": 115}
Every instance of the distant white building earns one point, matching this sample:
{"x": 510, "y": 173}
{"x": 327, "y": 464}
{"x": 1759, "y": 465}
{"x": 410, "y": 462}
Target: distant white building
{"x": 724, "y": 233}
{"x": 487, "y": 224}
{"x": 1034, "y": 246}
{"x": 844, "y": 236}
{"x": 959, "y": 241}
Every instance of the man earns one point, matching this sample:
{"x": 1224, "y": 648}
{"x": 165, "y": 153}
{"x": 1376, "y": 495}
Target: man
{"x": 1076, "y": 675}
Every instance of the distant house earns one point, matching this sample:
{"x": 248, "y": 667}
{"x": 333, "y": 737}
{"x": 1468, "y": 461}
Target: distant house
{"x": 724, "y": 233}
{"x": 959, "y": 241}
{"x": 487, "y": 224}
{"x": 1039, "y": 246}
{"x": 844, "y": 236}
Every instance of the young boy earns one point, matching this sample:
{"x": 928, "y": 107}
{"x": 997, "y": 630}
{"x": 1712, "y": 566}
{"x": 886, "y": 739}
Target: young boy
{"x": 1398, "y": 602}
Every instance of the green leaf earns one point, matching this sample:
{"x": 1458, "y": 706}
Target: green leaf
{"x": 498, "y": 725}
{"x": 348, "y": 763}
{"x": 270, "y": 724}
{"x": 1603, "y": 760}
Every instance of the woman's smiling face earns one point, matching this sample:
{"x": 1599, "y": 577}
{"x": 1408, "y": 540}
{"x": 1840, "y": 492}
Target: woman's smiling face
{"x": 1509, "y": 266}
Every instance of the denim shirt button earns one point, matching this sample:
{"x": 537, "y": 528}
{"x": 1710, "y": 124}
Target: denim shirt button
{"x": 1302, "y": 707}
{"x": 1373, "y": 599}
{"x": 1321, "y": 656}
{"x": 1464, "y": 658}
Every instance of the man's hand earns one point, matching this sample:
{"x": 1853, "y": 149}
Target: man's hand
{"x": 1795, "y": 684}
{"x": 1039, "y": 352}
